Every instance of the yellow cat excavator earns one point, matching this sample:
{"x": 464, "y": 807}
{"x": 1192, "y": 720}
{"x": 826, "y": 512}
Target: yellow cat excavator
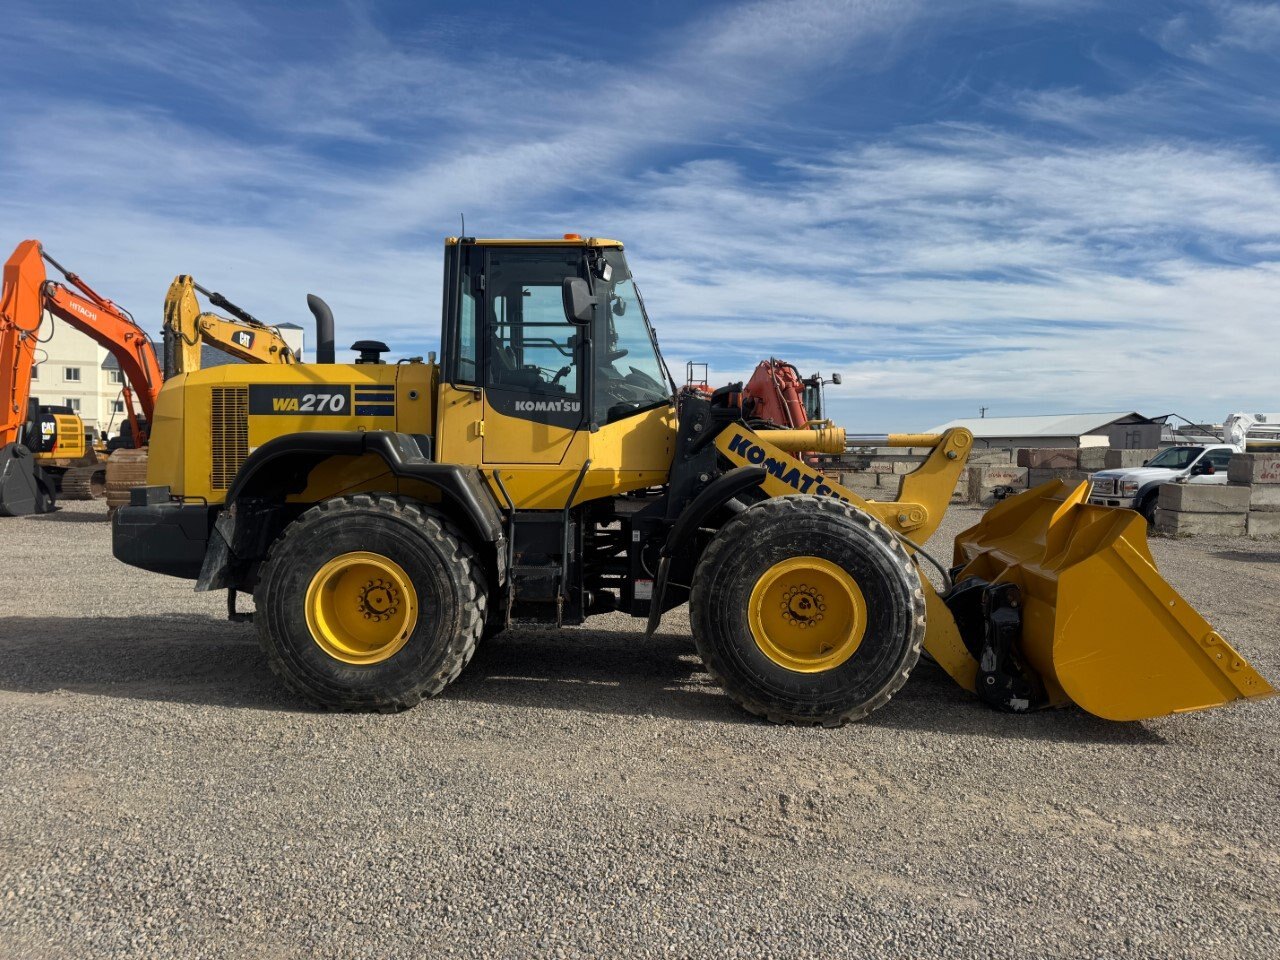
{"x": 187, "y": 328}
{"x": 386, "y": 517}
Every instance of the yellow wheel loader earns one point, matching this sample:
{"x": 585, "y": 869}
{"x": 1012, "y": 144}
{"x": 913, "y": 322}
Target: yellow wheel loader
{"x": 387, "y": 517}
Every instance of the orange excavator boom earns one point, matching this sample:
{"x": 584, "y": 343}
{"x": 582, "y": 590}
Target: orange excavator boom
{"x": 28, "y": 293}
{"x": 21, "y": 311}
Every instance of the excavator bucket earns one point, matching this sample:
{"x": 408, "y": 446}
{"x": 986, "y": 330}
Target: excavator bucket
{"x": 24, "y": 488}
{"x": 1075, "y": 610}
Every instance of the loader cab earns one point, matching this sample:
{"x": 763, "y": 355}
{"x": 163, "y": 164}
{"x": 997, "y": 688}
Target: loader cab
{"x": 536, "y": 377}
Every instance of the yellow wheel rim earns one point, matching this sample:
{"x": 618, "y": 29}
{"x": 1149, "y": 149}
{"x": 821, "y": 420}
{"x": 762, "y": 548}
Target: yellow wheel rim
{"x": 807, "y": 614}
{"x": 361, "y": 608}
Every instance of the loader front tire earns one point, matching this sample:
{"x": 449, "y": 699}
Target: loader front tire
{"x": 807, "y": 611}
{"x": 370, "y": 602}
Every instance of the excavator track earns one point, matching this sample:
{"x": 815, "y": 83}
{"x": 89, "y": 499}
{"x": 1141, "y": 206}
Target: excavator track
{"x": 125, "y": 470}
{"x": 87, "y": 482}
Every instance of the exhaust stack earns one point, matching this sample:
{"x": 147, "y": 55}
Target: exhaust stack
{"x": 324, "y": 328}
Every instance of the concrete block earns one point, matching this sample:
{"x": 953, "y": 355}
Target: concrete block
{"x": 1118, "y": 459}
{"x": 983, "y": 479}
{"x": 1006, "y": 476}
{"x": 1204, "y": 498}
{"x": 1264, "y": 524}
{"x": 992, "y": 455}
{"x": 1254, "y": 468}
{"x": 898, "y": 466}
{"x": 1049, "y": 458}
{"x": 1091, "y": 458}
{"x": 1177, "y": 524}
{"x": 1039, "y": 475}
{"x": 1264, "y": 497}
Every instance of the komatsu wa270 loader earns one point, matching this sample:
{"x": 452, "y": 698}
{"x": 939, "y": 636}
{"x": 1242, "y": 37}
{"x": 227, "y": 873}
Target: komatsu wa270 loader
{"x": 387, "y": 516}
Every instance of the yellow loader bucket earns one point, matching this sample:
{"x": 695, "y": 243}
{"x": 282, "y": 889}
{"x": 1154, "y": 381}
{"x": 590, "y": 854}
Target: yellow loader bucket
{"x": 1099, "y": 625}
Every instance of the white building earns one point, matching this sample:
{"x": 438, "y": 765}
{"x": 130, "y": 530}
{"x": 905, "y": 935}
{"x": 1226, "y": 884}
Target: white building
{"x": 1125, "y": 429}
{"x": 73, "y": 371}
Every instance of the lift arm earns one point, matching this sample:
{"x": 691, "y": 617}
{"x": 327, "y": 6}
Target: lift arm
{"x": 186, "y": 328}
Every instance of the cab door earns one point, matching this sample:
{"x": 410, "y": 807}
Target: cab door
{"x": 533, "y": 373}
{"x": 1216, "y": 460}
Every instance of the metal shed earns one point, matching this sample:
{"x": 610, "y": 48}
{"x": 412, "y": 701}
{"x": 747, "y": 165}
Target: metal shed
{"x": 1125, "y": 429}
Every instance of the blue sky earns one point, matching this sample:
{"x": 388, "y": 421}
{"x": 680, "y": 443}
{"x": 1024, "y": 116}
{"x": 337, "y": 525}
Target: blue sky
{"x": 1029, "y": 205}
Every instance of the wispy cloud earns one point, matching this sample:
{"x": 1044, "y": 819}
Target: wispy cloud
{"x": 1056, "y": 246}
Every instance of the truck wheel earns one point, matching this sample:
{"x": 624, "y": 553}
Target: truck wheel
{"x": 807, "y": 611}
{"x": 1147, "y": 507}
{"x": 370, "y": 602}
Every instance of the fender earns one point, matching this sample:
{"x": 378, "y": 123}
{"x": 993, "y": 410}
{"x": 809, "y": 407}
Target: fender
{"x": 1151, "y": 486}
{"x": 713, "y": 497}
{"x": 280, "y": 466}
{"x": 1148, "y": 487}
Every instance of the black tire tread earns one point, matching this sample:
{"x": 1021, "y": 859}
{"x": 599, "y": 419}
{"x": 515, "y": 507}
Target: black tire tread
{"x": 465, "y": 567}
{"x": 1147, "y": 507}
{"x": 781, "y": 510}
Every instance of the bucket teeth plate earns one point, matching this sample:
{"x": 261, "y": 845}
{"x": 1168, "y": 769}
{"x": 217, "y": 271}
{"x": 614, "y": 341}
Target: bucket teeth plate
{"x": 1100, "y": 625}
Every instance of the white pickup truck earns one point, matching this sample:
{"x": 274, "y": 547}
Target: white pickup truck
{"x": 1138, "y": 488}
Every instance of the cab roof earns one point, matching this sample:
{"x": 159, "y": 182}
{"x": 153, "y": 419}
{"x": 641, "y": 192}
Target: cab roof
{"x": 568, "y": 240}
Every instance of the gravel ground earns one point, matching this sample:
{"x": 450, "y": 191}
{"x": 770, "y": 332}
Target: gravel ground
{"x": 590, "y": 794}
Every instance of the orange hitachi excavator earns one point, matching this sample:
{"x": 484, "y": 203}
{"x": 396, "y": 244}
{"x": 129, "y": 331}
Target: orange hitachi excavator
{"x": 778, "y": 396}
{"x": 27, "y": 296}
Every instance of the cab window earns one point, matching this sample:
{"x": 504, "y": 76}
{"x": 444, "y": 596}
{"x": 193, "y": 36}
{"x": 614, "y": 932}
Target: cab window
{"x": 466, "y": 366}
{"x": 532, "y": 347}
{"x": 1219, "y": 458}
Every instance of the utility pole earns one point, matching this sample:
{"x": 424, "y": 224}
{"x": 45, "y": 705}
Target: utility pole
{"x": 982, "y": 412}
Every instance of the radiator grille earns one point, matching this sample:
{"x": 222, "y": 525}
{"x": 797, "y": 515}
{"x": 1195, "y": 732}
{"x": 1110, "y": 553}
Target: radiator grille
{"x": 229, "y": 433}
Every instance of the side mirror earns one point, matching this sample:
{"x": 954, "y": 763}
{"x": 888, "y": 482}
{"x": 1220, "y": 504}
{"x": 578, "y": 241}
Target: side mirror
{"x": 579, "y": 304}
{"x": 837, "y": 379}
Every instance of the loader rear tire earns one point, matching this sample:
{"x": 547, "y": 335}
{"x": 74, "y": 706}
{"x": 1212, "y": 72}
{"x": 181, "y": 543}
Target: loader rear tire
{"x": 807, "y": 611}
{"x": 370, "y": 602}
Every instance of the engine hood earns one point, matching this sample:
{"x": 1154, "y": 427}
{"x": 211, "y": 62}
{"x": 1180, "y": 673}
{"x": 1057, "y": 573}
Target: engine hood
{"x": 1140, "y": 474}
